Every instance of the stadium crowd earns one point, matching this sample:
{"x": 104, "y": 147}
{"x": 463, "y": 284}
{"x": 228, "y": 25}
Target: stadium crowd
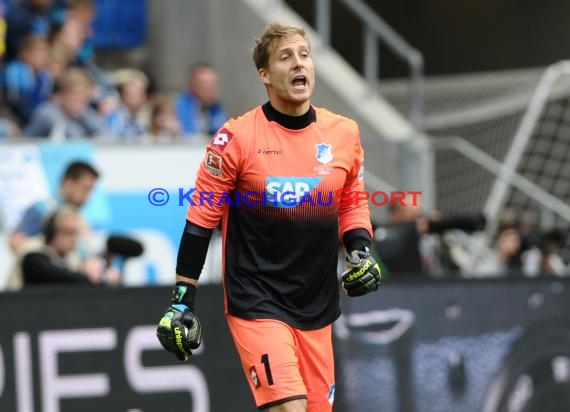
{"x": 53, "y": 88}
{"x": 416, "y": 243}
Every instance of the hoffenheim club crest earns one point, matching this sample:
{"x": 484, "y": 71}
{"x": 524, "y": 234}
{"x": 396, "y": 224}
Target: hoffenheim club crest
{"x": 324, "y": 153}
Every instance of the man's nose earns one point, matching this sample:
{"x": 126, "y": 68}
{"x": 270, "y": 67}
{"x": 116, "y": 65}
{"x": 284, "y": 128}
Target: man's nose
{"x": 297, "y": 61}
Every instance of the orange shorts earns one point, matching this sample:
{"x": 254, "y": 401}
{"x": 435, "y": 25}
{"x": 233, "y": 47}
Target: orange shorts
{"x": 282, "y": 363}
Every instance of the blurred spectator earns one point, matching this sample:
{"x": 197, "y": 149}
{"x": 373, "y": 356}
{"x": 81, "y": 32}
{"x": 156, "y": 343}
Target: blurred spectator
{"x": 131, "y": 118}
{"x": 507, "y": 258}
{"x": 76, "y": 185}
{"x": 83, "y": 12}
{"x": 198, "y": 108}
{"x": 80, "y": 13}
{"x": 521, "y": 249}
{"x": 53, "y": 258}
{"x": 26, "y": 81}
{"x": 555, "y": 252}
{"x": 58, "y": 60}
{"x": 164, "y": 126}
{"x": 72, "y": 28}
{"x": 70, "y": 34}
{"x": 68, "y": 114}
{"x": 23, "y": 18}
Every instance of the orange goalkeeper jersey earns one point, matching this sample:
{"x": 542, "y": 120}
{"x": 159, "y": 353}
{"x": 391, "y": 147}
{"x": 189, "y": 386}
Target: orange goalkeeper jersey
{"x": 276, "y": 190}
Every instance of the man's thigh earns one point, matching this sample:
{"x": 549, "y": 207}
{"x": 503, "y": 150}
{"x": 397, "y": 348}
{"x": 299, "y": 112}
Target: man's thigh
{"x": 284, "y": 364}
{"x": 268, "y": 353}
{"x": 316, "y": 364}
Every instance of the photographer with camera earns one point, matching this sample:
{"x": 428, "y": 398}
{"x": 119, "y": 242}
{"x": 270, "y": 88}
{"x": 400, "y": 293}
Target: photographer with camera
{"x": 410, "y": 244}
{"x": 53, "y": 258}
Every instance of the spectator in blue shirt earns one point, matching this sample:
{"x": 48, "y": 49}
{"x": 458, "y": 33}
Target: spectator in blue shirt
{"x": 76, "y": 185}
{"x": 23, "y": 18}
{"x": 68, "y": 114}
{"x": 72, "y": 28}
{"x": 131, "y": 118}
{"x": 26, "y": 81}
{"x": 82, "y": 12}
{"x": 198, "y": 108}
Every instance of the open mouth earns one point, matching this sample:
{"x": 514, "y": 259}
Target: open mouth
{"x": 299, "y": 81}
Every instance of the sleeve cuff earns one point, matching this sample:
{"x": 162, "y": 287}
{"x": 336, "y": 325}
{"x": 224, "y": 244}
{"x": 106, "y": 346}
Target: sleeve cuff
{"x": 356, "y": 239}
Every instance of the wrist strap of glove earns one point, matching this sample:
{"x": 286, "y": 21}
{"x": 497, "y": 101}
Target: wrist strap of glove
{"x": 184, "y": 293}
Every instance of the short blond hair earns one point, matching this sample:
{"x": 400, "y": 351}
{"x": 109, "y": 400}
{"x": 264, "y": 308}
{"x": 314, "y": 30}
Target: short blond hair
{"x": 81, "y": 5}
{"x": 52, "y": 222}
{"x": 128, "y": 75}
{"x": 74, "y": 77}
{"x": 269, "y": 39}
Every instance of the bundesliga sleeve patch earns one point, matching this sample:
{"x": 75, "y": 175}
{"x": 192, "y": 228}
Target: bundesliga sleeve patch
{"x": 214, "y": 163}
{"x": 221, "y": 139}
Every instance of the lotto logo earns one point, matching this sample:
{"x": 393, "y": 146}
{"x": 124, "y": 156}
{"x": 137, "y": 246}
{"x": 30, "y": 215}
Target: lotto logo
{"x": 221, "y": 139}
{"x": 254, "y": 377}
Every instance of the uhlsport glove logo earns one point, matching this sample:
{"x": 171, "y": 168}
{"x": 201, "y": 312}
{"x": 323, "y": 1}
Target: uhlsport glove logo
{"x": 178, "y": 338}
{"x": 360, "y": 272}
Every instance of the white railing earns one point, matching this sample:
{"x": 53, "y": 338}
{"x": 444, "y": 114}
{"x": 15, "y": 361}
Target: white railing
{"x": 376, "y": 30}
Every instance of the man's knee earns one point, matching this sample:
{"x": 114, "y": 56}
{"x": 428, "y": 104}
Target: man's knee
{"x": 297, "y": 405}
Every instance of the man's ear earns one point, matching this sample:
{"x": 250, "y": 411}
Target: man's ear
{"x": 264, "y": 76}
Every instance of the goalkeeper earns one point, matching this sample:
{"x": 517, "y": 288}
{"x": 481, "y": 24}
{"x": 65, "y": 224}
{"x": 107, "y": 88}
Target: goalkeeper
{"x": 280, "y": 256}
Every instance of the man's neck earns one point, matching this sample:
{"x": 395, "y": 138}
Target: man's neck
{"x": 52, "y": 251}
{"x": 290, "y": 109}
{"x": 290, "y": 122}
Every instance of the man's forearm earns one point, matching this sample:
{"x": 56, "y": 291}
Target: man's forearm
{"x": 180, "y": 278}
{"x": 192, "y": 251}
